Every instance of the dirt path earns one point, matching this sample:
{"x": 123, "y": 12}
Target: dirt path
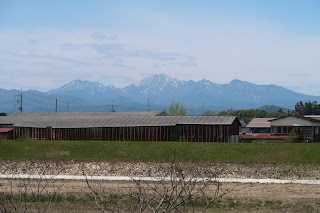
{"x": 223, "y": 170}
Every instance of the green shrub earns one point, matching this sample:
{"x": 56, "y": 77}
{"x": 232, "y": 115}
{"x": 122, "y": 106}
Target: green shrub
{"x": 292, "y": 137}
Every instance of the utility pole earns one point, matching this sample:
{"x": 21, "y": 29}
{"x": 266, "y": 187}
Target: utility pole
{"x": 56, "y": 105}
{"x": 19, "y": 101}
{"x": 148, "y": 109}
{"x": 112, "y": 107}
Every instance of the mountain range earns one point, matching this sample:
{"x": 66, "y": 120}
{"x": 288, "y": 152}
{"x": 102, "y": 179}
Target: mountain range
{"x": 159, "y": 90}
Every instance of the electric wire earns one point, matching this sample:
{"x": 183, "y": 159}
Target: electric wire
{"x": 190, "y": 109}
{"x": 47, "y": 97}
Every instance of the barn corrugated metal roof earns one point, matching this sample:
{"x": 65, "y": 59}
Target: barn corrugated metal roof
{"x": 91, "y": 114}
{"x": 44, "y": 120}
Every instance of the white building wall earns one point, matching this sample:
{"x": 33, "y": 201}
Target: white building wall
{"x": 293, "y": 121}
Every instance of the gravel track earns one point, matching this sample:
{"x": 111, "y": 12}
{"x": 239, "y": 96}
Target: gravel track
{"x": 222, "y": 170}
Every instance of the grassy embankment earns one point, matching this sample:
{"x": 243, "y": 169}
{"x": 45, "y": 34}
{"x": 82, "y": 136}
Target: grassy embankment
{"x": 130, "y": 151}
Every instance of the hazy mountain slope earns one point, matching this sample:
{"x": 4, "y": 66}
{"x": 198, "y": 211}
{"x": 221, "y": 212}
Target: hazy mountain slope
{"x": 161, "y": 91}
{"x": 236, "y": 94}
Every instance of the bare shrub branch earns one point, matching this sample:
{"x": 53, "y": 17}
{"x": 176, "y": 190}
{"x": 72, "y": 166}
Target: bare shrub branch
{"x": 180, "y": 188}
{"x": 20, "y": 195}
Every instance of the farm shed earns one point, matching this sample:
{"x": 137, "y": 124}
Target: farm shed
{"x": 144, "y": 127}
{"x": 6, "y": 133}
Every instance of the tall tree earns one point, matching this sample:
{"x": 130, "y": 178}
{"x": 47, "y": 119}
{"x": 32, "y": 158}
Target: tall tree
{"x": 177, "y": 109}
{"x": 307, "y": 108}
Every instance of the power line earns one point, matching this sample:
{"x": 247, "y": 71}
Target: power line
{"x": 56, "y": 100}
{"x": 48, "y": 98}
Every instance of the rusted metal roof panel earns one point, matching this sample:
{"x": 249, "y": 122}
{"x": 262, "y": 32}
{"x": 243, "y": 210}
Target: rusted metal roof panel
{"x": 4, "y": 130}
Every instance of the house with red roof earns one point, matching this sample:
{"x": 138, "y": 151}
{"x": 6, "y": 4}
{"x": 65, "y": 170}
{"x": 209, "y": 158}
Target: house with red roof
{"x": 259, "y": 129}
{"x": 306, "y": 127}
{"x": 278, "y": 129}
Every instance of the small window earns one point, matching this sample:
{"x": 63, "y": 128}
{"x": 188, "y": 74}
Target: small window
{"x": 317, "y": 130}
{"x": 279, "y": 130}
{"x": 274, "y": 130}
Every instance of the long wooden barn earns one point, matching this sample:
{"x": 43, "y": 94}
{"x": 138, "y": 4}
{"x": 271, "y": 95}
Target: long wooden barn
{"x": 134, "y": 126}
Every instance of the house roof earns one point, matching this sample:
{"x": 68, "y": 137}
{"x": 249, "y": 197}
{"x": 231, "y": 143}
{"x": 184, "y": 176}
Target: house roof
{"x": 88, "y": 121}
{"x": 4, "y": 130}
{"x": 317, "y": 117}
{"x": 301, "y": 117}
{"x": 260, "y": 123}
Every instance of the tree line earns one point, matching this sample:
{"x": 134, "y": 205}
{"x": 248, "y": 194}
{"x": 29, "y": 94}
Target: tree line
{"x": 307, "y": 108}
{"x": 247, "y": 114}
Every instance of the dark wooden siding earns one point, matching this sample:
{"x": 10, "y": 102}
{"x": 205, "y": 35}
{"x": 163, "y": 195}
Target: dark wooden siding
{"x": 6, "y": 135}
{"x": 186, "y": 133}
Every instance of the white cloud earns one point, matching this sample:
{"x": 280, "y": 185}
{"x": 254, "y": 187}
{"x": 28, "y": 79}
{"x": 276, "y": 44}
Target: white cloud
{"x": 58, "y": 57}
{"x": 47, "y": 59}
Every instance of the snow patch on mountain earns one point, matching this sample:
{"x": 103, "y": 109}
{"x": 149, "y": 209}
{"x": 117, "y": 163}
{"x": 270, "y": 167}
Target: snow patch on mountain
{"x": 77, "y": 85}
{"x": 155, "y": 84}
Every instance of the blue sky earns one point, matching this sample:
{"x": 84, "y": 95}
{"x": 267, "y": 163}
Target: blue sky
{"x": 44, "y": 44}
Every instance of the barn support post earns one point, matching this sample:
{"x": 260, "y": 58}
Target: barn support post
{"x": 49, "y": 132}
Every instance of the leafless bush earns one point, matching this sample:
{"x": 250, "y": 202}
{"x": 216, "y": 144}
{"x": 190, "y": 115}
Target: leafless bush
{"x": 178, "y": 187}
{"x": 181, "y": 188}
{"x": 179, "y": 192}
{"x": 21, "y": 195}
{"x": 104, "y": 197}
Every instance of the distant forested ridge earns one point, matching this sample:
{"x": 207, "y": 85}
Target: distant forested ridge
{"x": 272, "y": 108}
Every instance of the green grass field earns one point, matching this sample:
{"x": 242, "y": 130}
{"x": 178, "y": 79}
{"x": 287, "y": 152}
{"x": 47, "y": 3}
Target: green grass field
{"x": 130, "y": 151}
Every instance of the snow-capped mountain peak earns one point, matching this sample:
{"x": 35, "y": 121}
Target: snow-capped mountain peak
{"x": 162, "y": 90}
{"x": 155, "y": 84}
{"x": 78, "y": 84}
{"x": 84, "y": 86}
{"x": 205, "y": 82}
{"x": 160, "y": 79}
